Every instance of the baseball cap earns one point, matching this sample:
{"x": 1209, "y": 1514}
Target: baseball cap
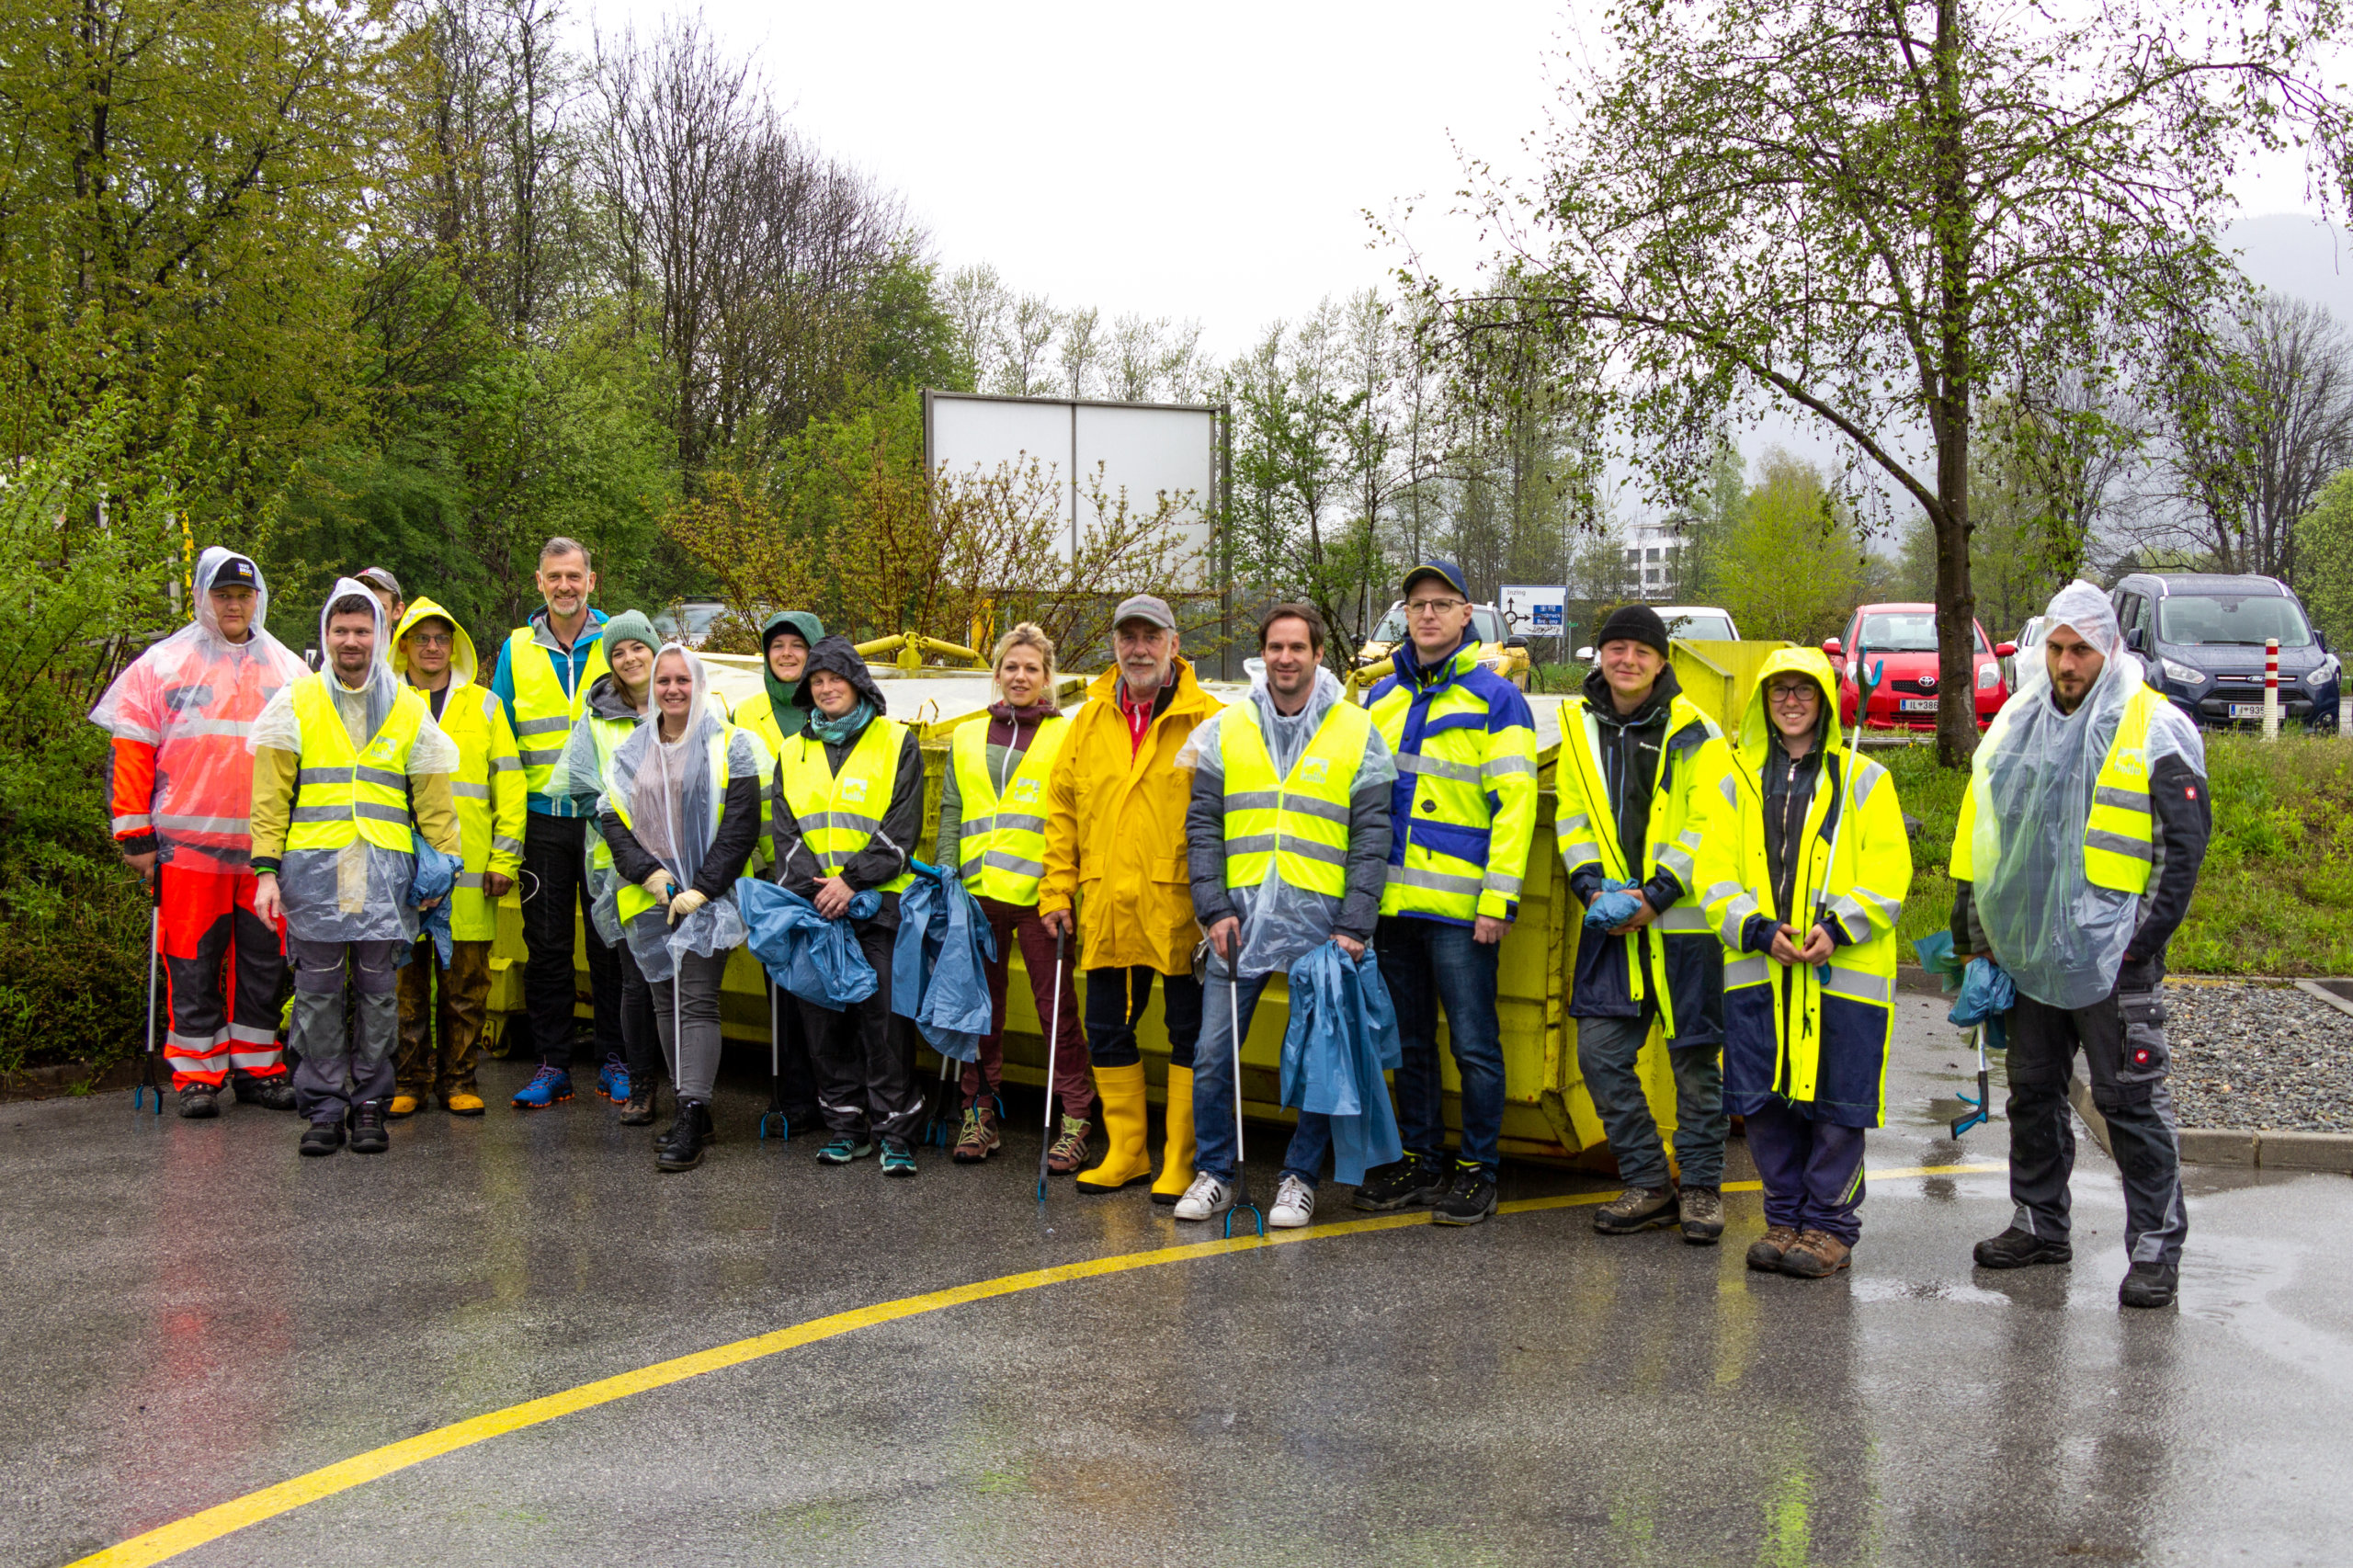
{"x": 1146, "y": 608}
{"x": 1444, "y": 570}
{"x": 379, "y": 577}
{"x": 235, "y": 573}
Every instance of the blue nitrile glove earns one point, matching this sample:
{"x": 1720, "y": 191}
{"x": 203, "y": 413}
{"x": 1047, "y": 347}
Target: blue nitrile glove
{"x": 1985, "y": 992}
{"x": 1612, "y": 909}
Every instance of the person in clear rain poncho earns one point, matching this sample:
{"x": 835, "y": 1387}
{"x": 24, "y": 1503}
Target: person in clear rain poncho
{"x": 2078, "y": 848}
{"x": 348, "y": 768}
{"x": 682, "y": 816}
{"x": 183, "y": 787}
{"x": 1288, "y": 848}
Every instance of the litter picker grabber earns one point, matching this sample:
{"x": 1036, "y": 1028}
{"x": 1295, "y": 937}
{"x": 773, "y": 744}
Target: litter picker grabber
{"x": 1977, "y": 1116}
{"x": 1054, "y": 1039}
{"x": 1241, "y": 1183}
{"x": 1866, "y": 682}
{"x": 776, "y": 1069}
{"x": 940, "y": 1126}
{"x": 147, "y": 1084}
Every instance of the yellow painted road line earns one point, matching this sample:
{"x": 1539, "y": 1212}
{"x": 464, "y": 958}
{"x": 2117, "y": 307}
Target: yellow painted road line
{"x": 184, "y": 1535}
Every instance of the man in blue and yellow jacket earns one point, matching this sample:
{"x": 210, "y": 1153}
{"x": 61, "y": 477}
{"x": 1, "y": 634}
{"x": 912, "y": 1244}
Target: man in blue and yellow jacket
{"x": 1463, "y": 812}
{"x": 1637, "y": 763}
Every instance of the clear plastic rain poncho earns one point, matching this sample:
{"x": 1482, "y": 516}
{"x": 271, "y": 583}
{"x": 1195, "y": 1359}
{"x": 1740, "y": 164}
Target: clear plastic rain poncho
{"x": 579, "y": 774}
{"x": 2061, "y": 940}
{"x": 1281, "y": 924}
{"x": 194, "y": 697}
{"x": 673, "y": 804}
{"x": 361, "y": 891}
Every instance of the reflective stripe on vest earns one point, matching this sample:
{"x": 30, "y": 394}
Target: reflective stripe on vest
{"x": 1299, "y": 824}
{"x": 544, "y": 712}
{"x": 609, "y": 735}
{"x": 1001, "y": 849}
{"x": 341, "y": 795}
{"x": 2121, "y": 834}
{"x": 839, "y": 813}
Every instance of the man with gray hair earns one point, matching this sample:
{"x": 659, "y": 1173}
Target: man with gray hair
{"x": 2078, "y": 848}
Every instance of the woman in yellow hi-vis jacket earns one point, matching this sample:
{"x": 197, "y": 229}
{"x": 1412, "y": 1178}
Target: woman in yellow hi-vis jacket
{"x": 1804, "y": 866}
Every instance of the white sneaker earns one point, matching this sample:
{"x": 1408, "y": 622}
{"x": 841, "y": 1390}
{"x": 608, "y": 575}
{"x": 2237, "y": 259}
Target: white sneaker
{"x": 1206, "y": 1199}
{"x": 1294, "y": 1205}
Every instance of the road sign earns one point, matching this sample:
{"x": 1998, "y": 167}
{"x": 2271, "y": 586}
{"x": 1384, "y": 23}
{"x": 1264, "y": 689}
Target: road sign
{"x": 1534, "y": 611}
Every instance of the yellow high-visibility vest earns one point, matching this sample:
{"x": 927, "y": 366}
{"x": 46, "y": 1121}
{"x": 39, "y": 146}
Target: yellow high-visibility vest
{"x": 1002, "y": 850}
{"x": 488, "y": 790}
{"x": 341, "y": 795}
{"x": 839, "y": 813}
{"x": 544, "y": 712}
{"x": 2120, "y": 833}
{"x": 1299, "y": 822}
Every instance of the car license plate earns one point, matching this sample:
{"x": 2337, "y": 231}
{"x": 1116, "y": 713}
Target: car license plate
{"x": 2246, "y": 710}
{"x": 1918, "y": 705}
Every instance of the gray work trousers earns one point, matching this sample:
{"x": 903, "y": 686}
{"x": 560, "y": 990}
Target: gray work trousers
{"x": 1605, "y": 1051}
{"x": 339, "y": 1069}
{"x": 691, "y": 1033}
{"x": 2124, "y": 1040}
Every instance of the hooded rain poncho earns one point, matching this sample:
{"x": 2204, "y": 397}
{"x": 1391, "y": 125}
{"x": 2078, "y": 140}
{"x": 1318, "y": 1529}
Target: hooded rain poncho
{"x": 2060, "y": 939}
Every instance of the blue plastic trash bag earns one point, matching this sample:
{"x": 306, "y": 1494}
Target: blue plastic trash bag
{"x": 436, "y": 876}
{"x": 815, "y": 959}
{"x": 939, "y": 974}
{"x": 1343, "y": 1035}
{"x": 1985, "y": 994}
{"x": 1936, "y": 955}
{"x": 1612, "y": 908}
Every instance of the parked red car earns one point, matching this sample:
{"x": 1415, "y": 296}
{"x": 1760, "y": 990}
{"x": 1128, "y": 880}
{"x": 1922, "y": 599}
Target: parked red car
{"x": 1905, "y": 636}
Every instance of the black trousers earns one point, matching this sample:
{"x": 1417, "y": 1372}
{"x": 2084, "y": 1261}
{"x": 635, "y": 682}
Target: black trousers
{"x": 2124, "y": 1040}
{"x": 555, "y": 884}
{"x": 641, "y": 1036}
{"x": 865, "y": 1065}
{"x": 1116, "y": 999}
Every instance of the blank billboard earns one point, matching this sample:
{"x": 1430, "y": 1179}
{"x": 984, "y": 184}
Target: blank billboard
{"x": 1147, "y": 449}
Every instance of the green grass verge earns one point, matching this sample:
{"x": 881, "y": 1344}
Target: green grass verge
{"x": 2275, "y": 896}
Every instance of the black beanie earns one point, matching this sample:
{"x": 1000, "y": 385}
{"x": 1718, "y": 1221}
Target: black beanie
{"x": 1634, "y": 623}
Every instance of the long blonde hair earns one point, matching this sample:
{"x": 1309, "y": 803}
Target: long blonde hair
{"x": 1026, "y": 635}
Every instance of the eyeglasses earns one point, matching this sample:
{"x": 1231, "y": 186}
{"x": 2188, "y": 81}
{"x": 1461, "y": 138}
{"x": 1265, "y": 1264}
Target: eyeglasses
{"x": 431, "y": 639}
{"x": 1434, "y": 607}
{"x": 1793, "y": 696}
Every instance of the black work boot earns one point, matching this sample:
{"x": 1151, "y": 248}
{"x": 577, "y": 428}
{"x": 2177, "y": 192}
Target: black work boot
{"x": 1702, "y": 1210}
{"x": 1636, "y": 1209}
{"x": 199, "y": 1101}
{"x": 2148, "y": 1285}
{"x": 2015, "y": 1248}
{"x": 1417, "y": 1178}
{"x": 367, "y": 1135}
{"x": 681, "y": 1149}
{"x": 273, "y": 1093}
{"x": 1469, "y": 1199}
{"x": 322, "y": 1137}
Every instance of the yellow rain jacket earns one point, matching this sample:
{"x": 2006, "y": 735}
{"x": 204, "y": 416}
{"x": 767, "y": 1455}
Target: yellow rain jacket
{"x": 1792, "y": 1035}
{"x": 488, "y": 785}
{"x": 1115, "y": 830}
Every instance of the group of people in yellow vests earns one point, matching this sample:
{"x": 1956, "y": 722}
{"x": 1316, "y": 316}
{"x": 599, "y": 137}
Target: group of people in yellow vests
{"x": 1740, "y": 892}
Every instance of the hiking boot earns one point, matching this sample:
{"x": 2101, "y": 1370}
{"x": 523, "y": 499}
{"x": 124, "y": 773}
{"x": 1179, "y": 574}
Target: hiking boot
{"x": 842, "y": 1149}
{"x": 681, "y": 1149}
{"x": 1636, "y": 1209}
{"x": 1294, "y": 1204}
{"x": 612, "y": 1080}
{"x": 273, "y": 1093}
{"x": 403, "y": 1106}
{"x": 1417, "y": 1178}
{"x": 367, "y": 1135}
{"x": 199, "y": 1101}
{"x": 322, "y": 1137}
{"x": 1069, "y": 1153}
{"x": 1702, "y": 1208}
{"x": 980, "y": 1138}
{"x": 1206, "y": 1199}
{"x": 1765, "y": 1252}
{"x": 1816, "y": 1254}
{"x": 2148, "y": 1285}
{"x": 2016, "y": 1248}
{"x": 638, "y": 1109}
{"x": 461, "y": 1102}
{"x": 549, "y": 1086}
{"x": 898, "y": 1158}
{"x": 1468, "y": 1199}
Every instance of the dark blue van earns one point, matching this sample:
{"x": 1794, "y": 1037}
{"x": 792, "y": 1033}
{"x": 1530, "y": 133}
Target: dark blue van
{"x": 2202, "y": 636}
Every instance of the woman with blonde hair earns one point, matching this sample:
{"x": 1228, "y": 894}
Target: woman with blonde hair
{"x": 993, "y": 829}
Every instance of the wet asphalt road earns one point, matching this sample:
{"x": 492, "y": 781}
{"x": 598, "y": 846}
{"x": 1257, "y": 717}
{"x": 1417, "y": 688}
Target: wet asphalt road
{"x": 193, "y": 1312}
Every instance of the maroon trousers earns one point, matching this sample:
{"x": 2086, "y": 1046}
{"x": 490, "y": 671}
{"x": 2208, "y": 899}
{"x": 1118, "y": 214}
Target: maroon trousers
{"x": 1012, "y": 922}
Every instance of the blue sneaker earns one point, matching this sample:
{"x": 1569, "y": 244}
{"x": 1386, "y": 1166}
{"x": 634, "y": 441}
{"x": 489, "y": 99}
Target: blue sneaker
{"x": 841, "y": 1148}
{"x": 898, "y": 1158}
{"x": 612, "y": 1080}
{"x": 549, "y": 1086}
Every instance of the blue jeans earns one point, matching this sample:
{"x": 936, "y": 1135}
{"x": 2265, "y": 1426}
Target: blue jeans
{"x": 1427, "y": 963}
{"x": 1606, "y": 1052}
{"x": 1214, "y": 1150}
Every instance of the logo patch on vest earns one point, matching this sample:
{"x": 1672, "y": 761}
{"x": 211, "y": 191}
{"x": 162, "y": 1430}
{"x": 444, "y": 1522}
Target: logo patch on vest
{"x": 1023, "y": 789}
{"x": 1314, "y": 770}
{"x": 853, "y": 790}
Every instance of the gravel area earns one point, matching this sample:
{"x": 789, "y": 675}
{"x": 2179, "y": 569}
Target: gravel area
{"x": 2259, "y": 1057}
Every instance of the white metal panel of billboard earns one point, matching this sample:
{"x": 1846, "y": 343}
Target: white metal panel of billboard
{"x": 1148, "y": 449}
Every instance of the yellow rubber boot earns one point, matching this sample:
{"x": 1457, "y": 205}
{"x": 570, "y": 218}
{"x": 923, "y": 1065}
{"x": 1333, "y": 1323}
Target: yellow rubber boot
{"x": 1176, "y": 1165}
{"x": 1125, "y": 1161}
